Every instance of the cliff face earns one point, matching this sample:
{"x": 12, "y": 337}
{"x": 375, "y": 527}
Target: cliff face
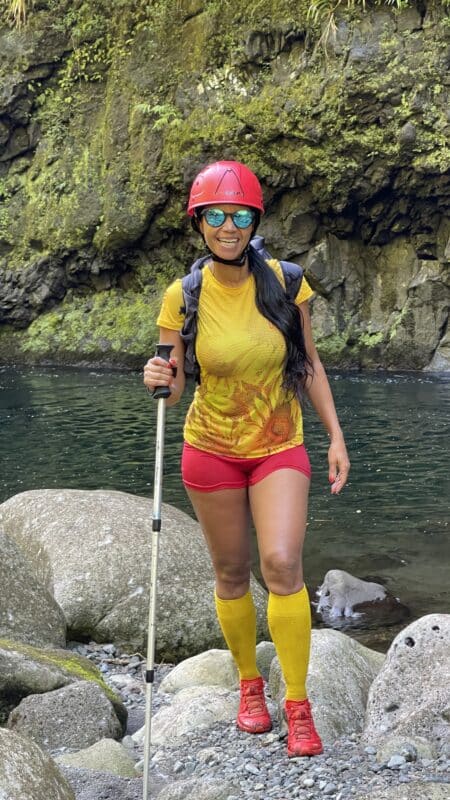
{"x": 108, "y": 110}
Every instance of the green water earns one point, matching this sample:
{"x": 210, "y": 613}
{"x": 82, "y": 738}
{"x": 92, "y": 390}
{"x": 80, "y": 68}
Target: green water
{"x": 91, "y": 430}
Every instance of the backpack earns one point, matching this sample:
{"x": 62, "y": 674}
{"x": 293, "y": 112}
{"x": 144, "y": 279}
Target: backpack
{"x": 192, "y": 284}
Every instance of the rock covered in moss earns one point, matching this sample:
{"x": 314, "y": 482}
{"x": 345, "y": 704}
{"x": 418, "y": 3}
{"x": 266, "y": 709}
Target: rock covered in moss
{"x": 26, "y": 670}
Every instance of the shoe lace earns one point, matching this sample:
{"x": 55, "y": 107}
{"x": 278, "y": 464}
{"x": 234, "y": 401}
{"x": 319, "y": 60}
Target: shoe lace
{"x": 302, "y": 723}
{"x": 254, "y": 700}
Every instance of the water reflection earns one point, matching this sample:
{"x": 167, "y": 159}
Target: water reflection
{"x": 91, "y": 430}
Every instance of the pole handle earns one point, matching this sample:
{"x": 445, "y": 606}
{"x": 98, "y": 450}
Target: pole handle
{"x": 163, "y": 351}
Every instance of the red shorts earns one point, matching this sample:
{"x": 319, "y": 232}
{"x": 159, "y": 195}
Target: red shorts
{"x": 209, "y": 472}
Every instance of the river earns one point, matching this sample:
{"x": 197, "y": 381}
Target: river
{"x": 88, "y": 429}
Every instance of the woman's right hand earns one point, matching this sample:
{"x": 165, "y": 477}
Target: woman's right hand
{"x": 158, "y": 372}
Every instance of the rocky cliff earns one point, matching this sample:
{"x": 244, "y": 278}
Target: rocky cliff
{"x": 107, "y": 111}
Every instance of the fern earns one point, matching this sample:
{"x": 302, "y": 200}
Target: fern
{"x": 323, "y": 12}
{"x": 17, "y": 11}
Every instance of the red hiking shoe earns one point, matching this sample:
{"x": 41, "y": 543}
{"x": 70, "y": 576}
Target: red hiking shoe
{"x": 253, "y": 716}
{"x": 303, "y": 739}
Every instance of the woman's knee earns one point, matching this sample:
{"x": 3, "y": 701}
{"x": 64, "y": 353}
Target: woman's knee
{"x": 232, "y": 579}
{"x": 282, "y": 572}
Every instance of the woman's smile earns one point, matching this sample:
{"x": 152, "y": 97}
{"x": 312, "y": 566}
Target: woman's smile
{"x": 228, "y": 240}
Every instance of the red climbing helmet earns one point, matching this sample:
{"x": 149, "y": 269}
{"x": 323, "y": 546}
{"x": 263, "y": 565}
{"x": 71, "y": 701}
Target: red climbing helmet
{"x": 225, "y": 182}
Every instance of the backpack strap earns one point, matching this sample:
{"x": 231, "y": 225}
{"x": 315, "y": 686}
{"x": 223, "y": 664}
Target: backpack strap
{"x": 292, "y": 272}
{"x": 191, "y": 286}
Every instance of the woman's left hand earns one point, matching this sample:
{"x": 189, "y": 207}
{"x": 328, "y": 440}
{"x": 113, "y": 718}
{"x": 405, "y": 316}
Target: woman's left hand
{"x": 339, "y": 465}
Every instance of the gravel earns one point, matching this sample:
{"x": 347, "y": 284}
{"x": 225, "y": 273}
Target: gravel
{"x": 242, "y": 765}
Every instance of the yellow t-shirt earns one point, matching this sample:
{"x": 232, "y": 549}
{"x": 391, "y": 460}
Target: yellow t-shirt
{"x": 240, "y": 408}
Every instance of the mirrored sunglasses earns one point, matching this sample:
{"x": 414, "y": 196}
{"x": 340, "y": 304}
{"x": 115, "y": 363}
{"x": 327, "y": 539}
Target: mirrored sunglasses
{"x": 215, "y": 217}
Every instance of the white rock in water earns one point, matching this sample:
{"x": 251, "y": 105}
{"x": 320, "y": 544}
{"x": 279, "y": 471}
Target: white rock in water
{"x": 341, "y": 592}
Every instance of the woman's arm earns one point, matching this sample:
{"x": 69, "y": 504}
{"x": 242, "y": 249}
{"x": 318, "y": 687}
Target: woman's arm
{"x": 319, "y": 393}
{"x": 157, "y": 372}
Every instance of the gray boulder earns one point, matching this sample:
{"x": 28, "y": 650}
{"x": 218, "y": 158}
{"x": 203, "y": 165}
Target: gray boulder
{"x": 265, "y": 653}
{"x": 345, "y": 600}
{"x": 98, "y": 545}
{"x": 411, "y": 693}
{"x": 28, "y": 612}
{"x": 26, "y": 670}
{"x": 411, "y": 747}
{"x": 195, "y": 708}
{"x": 26, "y": 773}
{"x": 212, "y": 668}
{"x": 75, "y": 716}
{"x": 106, "y": 755}
{"x": 340, "y": 674}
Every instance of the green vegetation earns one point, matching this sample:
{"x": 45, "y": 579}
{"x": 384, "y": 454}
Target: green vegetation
{"x": 324, "y": 12}
{"x": 108, "y": 326}
{"x": 17, "y": 11}
{"x": 141, "y": 93}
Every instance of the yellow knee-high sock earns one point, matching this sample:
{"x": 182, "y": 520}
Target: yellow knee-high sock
{"x": 237, "y": 619}
{"x": 289, "y": 618}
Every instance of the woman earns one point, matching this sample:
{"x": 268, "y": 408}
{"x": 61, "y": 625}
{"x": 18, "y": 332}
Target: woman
{"x": 243, "y": 453}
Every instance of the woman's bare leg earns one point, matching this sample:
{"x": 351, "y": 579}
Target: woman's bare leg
{"x": 279, "y": 505}
{"x": 224, "y": 517}
{"x": 225, "y": 520}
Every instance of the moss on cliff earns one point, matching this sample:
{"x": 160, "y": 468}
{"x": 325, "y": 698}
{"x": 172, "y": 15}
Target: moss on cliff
{"x": 108, "y": 327}
{"x": 141, "y": 94}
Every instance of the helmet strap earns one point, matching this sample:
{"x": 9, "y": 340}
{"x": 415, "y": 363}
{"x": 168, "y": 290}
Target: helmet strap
{"x": 232, "y": 262}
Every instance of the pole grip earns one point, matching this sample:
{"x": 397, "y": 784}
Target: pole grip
{"x": 163, "y": 351}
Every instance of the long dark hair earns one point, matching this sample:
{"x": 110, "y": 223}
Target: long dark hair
{"x": 273, "y": 303}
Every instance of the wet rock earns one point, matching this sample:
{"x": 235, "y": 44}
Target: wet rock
{"x": 343, "y": 599}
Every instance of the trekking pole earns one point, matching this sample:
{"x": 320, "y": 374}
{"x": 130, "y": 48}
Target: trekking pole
{"x": 160, "y": 394}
